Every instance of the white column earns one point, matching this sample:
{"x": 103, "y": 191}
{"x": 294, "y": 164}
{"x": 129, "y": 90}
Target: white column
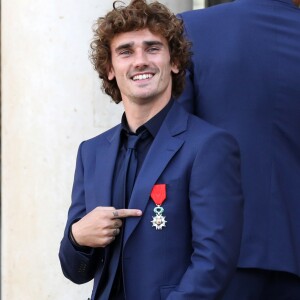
{"x": 51, "y": 101}
{"x": 178, "y": 6}
{"x": 199, "y": 4}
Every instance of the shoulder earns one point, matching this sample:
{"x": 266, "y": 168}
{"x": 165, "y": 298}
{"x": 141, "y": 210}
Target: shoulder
{"x": 210, "y": 11}
{"x": 197, "y": 133}
{"x": 194, "y": 129}
{"x": 216, "y": 154}
{"x": 203, "y": 132}
{"x": 204, "y": 19}
{"x": 103, "y": 138}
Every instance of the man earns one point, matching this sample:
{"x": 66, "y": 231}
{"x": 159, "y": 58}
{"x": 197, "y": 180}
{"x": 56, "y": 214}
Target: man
{"x": 245, "y": 78}
{"x": 176, "y": 233}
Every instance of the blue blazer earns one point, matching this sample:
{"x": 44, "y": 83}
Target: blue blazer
{"x": 245, "y": 78}
{"x": 195, "y": 255}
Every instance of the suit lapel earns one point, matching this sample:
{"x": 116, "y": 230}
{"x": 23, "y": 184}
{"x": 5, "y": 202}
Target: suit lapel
{"x": 105, "y": 164}
{"x": 163, "y": 148}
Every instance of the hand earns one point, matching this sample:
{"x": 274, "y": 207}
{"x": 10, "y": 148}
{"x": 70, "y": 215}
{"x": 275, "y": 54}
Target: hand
{"x": 100, "y": 226}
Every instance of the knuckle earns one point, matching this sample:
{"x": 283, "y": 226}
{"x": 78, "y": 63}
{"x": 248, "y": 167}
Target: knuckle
{"x": 121, "y": 212}
{"x": 105, "y": 232}
{"x": 106, "y": 223}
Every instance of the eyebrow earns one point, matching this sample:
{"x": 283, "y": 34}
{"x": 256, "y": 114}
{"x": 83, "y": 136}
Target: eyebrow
{"x": 153, "y": 43}
{"x": 130, "y": 45}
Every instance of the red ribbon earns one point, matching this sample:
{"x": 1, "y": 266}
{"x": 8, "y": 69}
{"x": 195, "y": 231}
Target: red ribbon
{"x": 159, "y": 193}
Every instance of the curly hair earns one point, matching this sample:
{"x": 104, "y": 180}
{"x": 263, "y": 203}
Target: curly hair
{"x": 297, "y": 2}
{"x": 136, "y": 16}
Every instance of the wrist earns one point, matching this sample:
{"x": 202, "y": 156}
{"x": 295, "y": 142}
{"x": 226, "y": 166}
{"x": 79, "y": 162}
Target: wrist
{"x": 72, "y": 238}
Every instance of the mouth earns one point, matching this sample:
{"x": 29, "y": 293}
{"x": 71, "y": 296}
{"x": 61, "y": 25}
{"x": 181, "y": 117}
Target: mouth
{"x": 142, "y": 76}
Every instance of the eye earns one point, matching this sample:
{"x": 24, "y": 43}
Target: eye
{"x": 153, "y": 49}
{"x": 125, "y": 52}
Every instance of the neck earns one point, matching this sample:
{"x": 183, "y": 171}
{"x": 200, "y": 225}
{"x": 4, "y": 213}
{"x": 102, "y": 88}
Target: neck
{"x": 139, "y": 114}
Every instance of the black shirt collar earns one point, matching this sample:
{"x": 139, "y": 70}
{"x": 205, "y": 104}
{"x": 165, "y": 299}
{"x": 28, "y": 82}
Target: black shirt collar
{"x": 151, "y": 125}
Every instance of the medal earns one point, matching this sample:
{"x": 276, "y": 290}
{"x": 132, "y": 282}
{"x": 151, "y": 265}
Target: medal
{"x": 158, "y": 195}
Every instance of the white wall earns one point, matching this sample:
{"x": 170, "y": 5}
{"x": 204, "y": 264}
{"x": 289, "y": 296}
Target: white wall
{"x": 51, "y": 101}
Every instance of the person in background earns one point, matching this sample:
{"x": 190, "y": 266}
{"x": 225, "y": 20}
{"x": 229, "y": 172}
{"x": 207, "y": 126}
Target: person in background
{"x": 157, "y": 206}
{"x": 245, "y": 78}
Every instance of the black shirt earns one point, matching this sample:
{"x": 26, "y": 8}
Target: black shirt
{"x": 152, "y": 127}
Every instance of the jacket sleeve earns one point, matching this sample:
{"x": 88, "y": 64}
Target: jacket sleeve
{"x": 78, "y": 265}
{"x": 216, "y": 205}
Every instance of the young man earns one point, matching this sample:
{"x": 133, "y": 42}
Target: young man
{"x": 161, "y": 219}
{"x": 245, "y": 78}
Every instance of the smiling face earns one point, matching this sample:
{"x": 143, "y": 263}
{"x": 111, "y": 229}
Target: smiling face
{"x": 141, "y": 66}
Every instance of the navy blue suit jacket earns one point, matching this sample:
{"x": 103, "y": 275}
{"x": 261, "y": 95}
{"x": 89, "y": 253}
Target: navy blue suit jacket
{"x": 245, "y": 78}
{"x": 195, "y": 255}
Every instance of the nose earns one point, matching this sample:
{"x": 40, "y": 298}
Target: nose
{"x": 141, "y": 59}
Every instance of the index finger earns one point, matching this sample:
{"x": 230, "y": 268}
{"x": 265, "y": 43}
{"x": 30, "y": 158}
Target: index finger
{"x": 124, "y": 213}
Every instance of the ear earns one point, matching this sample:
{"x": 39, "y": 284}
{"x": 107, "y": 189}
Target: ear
{"x": 111, "y": 74}
{"x": 174, "y": 68}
